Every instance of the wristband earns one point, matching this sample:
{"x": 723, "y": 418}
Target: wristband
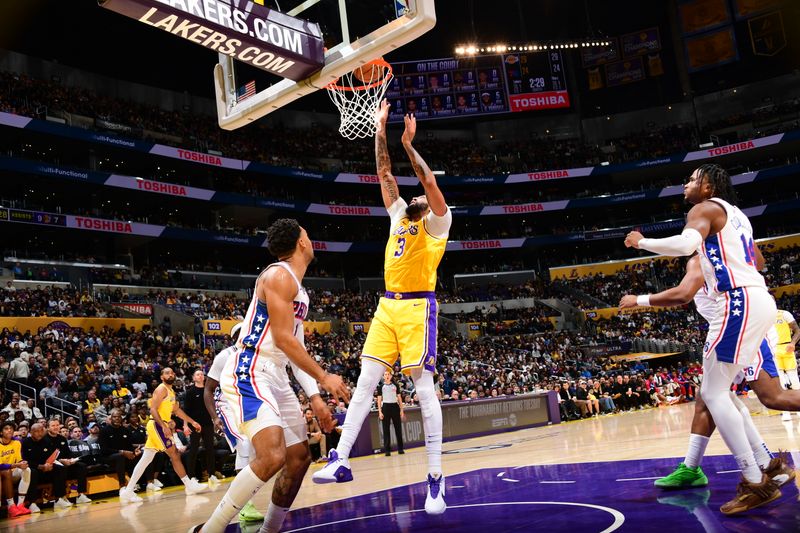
{"x": 643, "y": 300}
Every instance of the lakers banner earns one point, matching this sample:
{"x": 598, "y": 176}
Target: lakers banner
{"x": 622, "y": 72}
{"x": 640, "y": 42}
{"x": 702, "y": 15}
{"x": 33, "y": 324}
{"x": 711, "y": 49}
{"x": 220, "y": 328}
{"x": 767, "y": 34}
{"x": 594, "y": 56}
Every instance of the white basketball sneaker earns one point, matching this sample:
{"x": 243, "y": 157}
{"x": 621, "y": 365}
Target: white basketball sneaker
{"x": 158, "y": 484}
{"x": 152, "y": 487}
{"x": 336, "y": 471}
{"x": 195, "y": 487}
{"x": 128, "y": 496}
{"x": 434, "y": 502}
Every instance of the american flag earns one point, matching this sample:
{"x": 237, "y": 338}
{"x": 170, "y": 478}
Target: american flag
{"x": 246, "y": 91}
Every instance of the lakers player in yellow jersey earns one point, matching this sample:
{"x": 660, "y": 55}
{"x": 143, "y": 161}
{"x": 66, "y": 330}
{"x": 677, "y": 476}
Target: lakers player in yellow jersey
{"x": 13, "y": 468}
{"x": 788, "y": 335}
{"x": 405, "y": 323}
{"x": 159, "y": 438}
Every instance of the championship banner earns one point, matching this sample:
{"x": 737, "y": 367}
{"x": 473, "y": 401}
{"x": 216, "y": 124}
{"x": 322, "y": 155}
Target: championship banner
{"x": 734, "y": 148}
{"x": 746, "y": 8}
{"x": 286, "y": 46}
{"x": 547, "y": 175}
{"x": 488, "y": 244}
{"x": 139, "y": 309}
{"x": 640, "y": 43}
{"x": 594, "y": 56}
{"x": 627, "y": 71}
{"x": 711, "y": 49}
{"x": 702, "y": 15}
{"x": 33, "y": 324}
{"x": 463, "y": 419}
{"x": 767, "y": 34}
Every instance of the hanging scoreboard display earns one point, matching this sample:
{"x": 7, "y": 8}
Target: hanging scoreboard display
{"x": 480, "y": 85}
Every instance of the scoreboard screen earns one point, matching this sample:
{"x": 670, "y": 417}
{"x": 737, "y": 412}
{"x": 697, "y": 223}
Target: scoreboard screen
{"x": 480, "y": 85}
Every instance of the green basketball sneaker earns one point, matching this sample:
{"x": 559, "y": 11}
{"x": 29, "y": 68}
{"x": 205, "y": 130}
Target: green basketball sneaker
{"x": 249, "y": 513}
{"x": 683, "y": 477}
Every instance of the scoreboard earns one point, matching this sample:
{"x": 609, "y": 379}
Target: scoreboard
{"x": 480, "y": 85}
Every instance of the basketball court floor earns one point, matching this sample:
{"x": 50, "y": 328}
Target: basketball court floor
{"x": 593, "y": 475}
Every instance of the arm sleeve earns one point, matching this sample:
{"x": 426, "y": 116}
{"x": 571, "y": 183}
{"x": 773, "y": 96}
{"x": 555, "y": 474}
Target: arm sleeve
{"x": 396, "y": 212}
{"x": 307, "y": 382}
{"x": 677, "y": 245}
{"x": 219, "y": 363}
{"x": 439, "y": 226}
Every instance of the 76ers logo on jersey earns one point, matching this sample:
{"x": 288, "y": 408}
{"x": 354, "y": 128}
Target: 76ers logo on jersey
{"x": 300, "y": 310}
{"x": 413, "y": 230}
{"x": 706, "y": 346}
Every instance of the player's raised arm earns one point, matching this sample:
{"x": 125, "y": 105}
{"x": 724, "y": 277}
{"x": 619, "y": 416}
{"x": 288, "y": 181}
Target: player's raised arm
{"x": 383, "y": 162}
{"x": 278, "y": 288}
{"x": 433, "y": 195}
{"x": 682, "y": 294}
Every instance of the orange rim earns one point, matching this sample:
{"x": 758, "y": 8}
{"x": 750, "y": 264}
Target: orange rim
{"x": 376, "y": 62}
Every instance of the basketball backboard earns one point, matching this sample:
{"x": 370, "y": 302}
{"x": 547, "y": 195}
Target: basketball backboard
{"x": 408, "y": 19}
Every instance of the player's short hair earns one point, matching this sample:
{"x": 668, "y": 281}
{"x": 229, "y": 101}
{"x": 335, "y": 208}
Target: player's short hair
{"x": 282, "y": 237}
{"x": 8, "y": 423}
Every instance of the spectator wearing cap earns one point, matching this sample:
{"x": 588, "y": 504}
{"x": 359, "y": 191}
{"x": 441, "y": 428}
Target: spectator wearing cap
{"x": 74, "y": 469}
{"x": 94, "y": 433}
{"x": 23, "y": 428}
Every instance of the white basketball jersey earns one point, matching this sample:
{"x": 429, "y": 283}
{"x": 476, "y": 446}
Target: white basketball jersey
{"x": 728, "y": 259}
{"x": 706, "y": 303}
{"x": 256, "y": 337}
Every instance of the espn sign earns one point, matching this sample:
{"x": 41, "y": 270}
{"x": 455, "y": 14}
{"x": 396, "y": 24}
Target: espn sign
{"x": 139, "y": 309}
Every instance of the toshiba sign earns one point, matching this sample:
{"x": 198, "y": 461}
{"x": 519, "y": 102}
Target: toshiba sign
{"x": 536, "y": 101}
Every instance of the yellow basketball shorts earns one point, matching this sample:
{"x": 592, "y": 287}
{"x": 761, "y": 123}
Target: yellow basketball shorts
{"x": 404, "y": 324}
{"x": 784, "y": 359}
{"x": 155, "y": 437}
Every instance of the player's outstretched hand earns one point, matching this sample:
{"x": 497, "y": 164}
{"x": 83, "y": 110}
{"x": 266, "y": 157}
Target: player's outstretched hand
{"x": 336, "y": 387}
{"x": 323, "y": 414}
{"x": 633, "y": 238}
{"x": 382, "y": 114}
{"x": 411, "y": 128}
{"x": 628, "y": 301}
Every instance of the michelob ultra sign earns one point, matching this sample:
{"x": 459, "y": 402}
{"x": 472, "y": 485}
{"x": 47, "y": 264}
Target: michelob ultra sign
{"x": 267, "y": 39}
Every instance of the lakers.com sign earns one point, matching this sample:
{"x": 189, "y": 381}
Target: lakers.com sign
{"x": 267, "y": 39}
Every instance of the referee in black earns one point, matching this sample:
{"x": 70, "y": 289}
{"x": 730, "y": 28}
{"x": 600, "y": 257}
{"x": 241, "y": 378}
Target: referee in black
{"x": 196, "y": 408}
{"x": 390, "y": 410}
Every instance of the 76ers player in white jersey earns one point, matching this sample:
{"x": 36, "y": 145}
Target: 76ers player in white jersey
{"x": 257, "y": 390}
{"x": 744, "y": 312}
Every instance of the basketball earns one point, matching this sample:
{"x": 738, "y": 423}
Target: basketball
{"x": 369, "y": 73}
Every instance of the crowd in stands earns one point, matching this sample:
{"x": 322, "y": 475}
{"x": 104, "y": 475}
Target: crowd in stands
{"x": 304, "y": 148}
{"x": 50, "y": 301}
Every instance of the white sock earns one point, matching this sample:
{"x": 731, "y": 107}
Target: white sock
{"x": 431, "y": 419}
{"x": 147, "y": 457}
{"x": 697, "y": 449}
{"x": 242, "y": 489}
{"x": 750, "y": 470}
{"x": 274, "y": 519}
{"x": 185, "y": 480}
{"x": 757, "y": 444}
{"x": 24, "y": 483}
{"x": 360, "y": 404}
{"x": 10, "y": 502}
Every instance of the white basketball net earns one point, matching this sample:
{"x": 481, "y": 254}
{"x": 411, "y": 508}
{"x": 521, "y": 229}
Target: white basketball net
{"x": 357, "y": 99}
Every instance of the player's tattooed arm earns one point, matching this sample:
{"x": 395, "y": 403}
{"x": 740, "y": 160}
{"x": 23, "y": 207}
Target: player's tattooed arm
{"x": 422, "y": 170}
{"x": 383, "y": 162}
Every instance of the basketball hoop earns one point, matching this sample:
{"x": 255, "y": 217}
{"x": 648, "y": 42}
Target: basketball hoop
{"x": 357, "y": 95}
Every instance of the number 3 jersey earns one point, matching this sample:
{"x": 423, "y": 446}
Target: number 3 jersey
{"x": 414, "y": 249}
{"x": 728, "y": 258}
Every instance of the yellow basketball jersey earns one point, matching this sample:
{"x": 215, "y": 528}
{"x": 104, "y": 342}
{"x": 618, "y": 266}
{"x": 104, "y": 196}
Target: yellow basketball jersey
{"x": 10, "y": 453}
{"x": 166, "y": 406}
{"x": 783, "y": 329}
{"x": 411, "y": 258}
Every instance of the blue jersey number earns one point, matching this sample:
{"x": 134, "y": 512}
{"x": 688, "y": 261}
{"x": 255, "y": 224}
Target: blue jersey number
{"x": 749, "y": 250}
{"x": 401, "y": 247}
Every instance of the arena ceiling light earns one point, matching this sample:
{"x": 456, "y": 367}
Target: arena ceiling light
{"x": 502, "y": 48}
